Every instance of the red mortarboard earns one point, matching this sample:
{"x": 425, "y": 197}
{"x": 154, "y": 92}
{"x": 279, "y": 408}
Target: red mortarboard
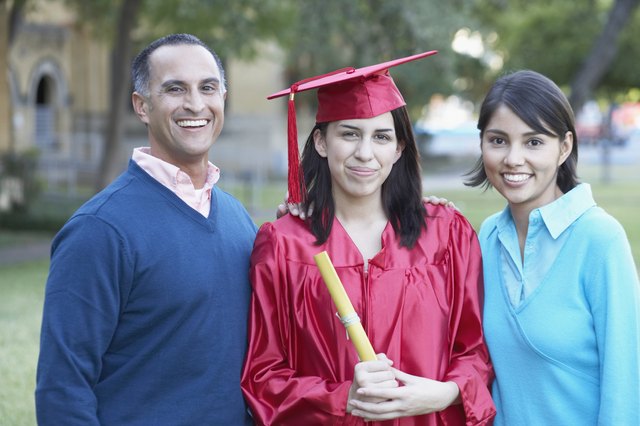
{"x": 344, "y": 94}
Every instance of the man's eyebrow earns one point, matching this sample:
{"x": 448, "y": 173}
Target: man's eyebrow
{"x": 215, "y": 80}
{"x": 176, "y": 82}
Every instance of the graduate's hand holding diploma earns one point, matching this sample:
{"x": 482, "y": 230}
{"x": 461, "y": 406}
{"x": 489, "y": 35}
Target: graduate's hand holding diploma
{"x": 373, "y": 370}
{"x": 371, "y": 374}
{"x": 414, "y": 396}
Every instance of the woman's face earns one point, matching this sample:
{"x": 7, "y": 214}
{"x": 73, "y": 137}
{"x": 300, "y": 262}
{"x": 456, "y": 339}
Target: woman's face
{"x": 360, "y": 154}
{"x": 521, "y": 163}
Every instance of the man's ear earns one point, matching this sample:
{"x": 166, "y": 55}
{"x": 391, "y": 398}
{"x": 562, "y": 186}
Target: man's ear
{"x": 320, "y": 143}
{"x": 140, "y": 106}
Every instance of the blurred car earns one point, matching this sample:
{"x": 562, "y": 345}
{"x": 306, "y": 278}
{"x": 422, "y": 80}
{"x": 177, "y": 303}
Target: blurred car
{"x": 460, "y": 140}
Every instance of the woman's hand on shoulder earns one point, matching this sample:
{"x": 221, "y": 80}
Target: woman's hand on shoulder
{"x": 294, "y": 209}
{"x": 438, "y": 201}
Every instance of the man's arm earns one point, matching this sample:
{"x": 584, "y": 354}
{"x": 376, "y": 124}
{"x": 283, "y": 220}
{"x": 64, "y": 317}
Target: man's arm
{"x": 80, "y": 316}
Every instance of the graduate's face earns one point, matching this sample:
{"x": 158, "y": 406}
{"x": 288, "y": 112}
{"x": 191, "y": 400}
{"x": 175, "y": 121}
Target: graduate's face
{"x": 184, "y": 110}
{"x": 521, "y": 163}
{"x": 360, "y": 154}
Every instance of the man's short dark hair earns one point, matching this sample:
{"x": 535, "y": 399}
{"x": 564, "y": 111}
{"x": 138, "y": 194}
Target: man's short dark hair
{"x": 140, "y": 66}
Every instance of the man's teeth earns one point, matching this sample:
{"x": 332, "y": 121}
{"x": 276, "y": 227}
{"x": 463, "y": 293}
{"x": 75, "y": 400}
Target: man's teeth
{"x": 516, "y": 178}
{"x": 192, "y": 123}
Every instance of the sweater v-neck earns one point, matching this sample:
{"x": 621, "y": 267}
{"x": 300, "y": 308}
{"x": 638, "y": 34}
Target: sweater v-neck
{"x": 208, "y": 223}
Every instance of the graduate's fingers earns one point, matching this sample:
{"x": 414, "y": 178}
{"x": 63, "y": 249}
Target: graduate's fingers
{"x": 385, "y": 409}
{"x": 380, "y": 392}
{"x": 383, "y": 357}
{"x": 374, "y": 373}
{"x": 375, "y": 378}
{"x": 405, "y": 377}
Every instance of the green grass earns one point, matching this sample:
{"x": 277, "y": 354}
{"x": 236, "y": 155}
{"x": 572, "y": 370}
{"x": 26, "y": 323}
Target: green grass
{"x": 9, "y": 238}
{"x": 621, "y": 200}
{"x": 22, "y": 286}
{"x": 22, "y": 290}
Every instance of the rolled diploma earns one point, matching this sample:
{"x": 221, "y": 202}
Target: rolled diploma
{"x": 345, "y": 308}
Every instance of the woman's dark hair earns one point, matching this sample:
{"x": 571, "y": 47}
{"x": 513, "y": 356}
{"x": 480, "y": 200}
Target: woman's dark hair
{"x": 538, "y": 102}
{"x": 401, "y": 192}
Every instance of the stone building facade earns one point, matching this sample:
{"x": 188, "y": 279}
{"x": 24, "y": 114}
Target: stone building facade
{"x": 58, "y": 83}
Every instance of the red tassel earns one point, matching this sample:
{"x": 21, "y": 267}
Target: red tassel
{"x": 294, "y": 178}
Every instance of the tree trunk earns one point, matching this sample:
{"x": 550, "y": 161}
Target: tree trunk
{"x": 120, "y": 89}
{"x": 602, "y": 53}
{"x": 10, "y": 18}
{"x": 5, "y": 85}
{"x": 15, "y": 18}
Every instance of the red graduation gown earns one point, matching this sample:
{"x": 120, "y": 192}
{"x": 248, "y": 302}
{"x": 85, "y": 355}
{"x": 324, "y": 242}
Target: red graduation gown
{"x": 421, "y": 307}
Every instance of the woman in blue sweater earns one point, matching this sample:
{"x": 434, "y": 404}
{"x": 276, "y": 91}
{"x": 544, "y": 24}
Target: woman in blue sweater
{"x": 562, "y": 304}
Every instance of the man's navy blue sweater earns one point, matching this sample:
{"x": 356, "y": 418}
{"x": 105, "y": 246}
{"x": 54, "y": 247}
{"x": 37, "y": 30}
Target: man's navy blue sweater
{"x": 145, "y": 315}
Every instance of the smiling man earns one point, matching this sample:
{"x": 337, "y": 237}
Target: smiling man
{"x": 146, "y": 302}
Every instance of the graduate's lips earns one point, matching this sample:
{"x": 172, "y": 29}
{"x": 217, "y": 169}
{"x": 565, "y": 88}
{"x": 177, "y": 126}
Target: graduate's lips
{"x": 362, "y": 171}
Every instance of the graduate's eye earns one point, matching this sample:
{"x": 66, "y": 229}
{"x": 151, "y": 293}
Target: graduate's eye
{"x": 535, "y": 142}
{"x": 497, "y": 141}
{"x": 382, "y": 137}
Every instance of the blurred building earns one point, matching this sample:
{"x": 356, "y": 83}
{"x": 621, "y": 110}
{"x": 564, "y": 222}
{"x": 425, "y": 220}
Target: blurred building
{"x": 58, "y": 86}
{"x": 59, "y": 78}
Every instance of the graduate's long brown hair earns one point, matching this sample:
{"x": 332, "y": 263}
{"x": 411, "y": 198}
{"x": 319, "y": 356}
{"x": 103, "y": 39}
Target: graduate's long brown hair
{"x": 401, "y": 191}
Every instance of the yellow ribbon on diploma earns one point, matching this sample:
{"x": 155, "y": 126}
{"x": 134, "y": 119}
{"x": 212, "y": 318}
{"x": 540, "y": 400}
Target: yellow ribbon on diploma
{"x": 348, "y": 315}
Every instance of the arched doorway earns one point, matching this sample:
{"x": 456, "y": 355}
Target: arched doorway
{"x": 47, "y": 102}
{"x": 45, "y": 123}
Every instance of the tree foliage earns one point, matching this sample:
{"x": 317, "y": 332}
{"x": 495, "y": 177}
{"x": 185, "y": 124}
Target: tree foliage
{"x": 333, "y": 34}
{"x": 230, "y": 27}
{"x": 555, "y": 37}
{"x": 623, "y": 73}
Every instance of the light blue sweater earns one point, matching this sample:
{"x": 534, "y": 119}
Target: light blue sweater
{"x": 145, "y": 314}
{"x": 569, "y": 352}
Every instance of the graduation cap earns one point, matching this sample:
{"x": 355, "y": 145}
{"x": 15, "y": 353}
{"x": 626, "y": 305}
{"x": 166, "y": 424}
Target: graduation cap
{"x": 344, "y": 94}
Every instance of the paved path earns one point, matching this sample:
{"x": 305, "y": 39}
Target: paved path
{"x": 36, "y": 250}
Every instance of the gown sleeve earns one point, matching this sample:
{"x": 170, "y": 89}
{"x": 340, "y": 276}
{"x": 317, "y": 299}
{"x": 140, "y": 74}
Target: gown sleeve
{"x": 275, "y": 392}
{"x": 469, "y": 366}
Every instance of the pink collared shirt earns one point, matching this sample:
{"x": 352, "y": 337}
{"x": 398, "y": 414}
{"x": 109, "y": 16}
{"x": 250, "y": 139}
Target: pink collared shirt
{"x": 178, "y": 181}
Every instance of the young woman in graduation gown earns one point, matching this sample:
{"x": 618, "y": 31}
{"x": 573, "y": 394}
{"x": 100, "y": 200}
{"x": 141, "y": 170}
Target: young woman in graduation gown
{"x": 412, "y": 271}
